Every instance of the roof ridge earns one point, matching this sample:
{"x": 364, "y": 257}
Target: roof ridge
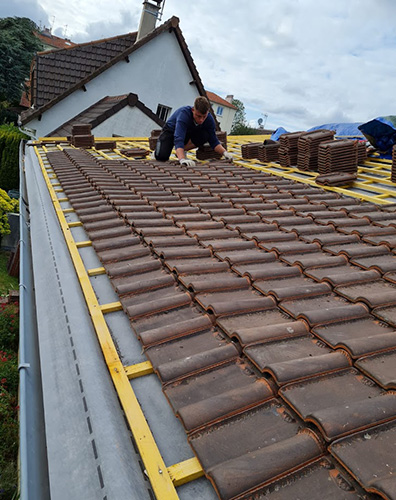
{"x": 84, "y": 44}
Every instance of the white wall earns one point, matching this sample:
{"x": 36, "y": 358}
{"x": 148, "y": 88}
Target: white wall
{"x": 128, "y": 122}
{"x": 226, "y": 119}
{"x": 157, "y": 73}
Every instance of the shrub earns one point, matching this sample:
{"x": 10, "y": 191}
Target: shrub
{"x": 8, "y": 424}
{"x": 6, "y": 205}
{"x": 10, "y": 137}
{"x": 9, "y": 327}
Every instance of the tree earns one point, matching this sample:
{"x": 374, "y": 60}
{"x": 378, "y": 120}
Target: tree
{"x": 239, "y": 125}
{"x": 18, "y": 44}
{"x": 240, "y": 115}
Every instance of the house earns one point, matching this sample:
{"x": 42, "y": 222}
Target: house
{"x": 224, "y": 110}
{"x": 51, "y": 41}
{"x": 154, "y": 64}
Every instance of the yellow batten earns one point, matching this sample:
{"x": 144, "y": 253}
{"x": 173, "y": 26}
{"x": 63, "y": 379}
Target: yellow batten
{"x": 111, "y": 307}
{"x": 83, "y": 244}
{"x": 186, "y": 471}
{"x": 96, "y": 271}
{"x": 139, "y": 370}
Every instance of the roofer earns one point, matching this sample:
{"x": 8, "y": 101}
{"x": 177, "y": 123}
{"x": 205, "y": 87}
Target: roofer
{"x": 188, "y": 128}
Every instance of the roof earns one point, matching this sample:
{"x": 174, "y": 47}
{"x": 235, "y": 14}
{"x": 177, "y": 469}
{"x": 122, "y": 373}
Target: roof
{"x": 82, "y": 63}
{"x": 219, "y": 100}
{"x": 57, "y": 71}
{"x": 102, "y": 110}
{"x": 47, "y": 38}
{"x": 265, "y": 305}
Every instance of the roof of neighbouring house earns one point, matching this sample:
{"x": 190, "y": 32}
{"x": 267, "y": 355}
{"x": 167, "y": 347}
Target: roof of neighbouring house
{"x": 219, "y": 100}
{"x": 59, "y": 73}
{"x": 47, "y": 38}
{"x": 102, "y": 110}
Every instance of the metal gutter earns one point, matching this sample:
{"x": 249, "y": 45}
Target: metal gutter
{"x": 34, "y": 481}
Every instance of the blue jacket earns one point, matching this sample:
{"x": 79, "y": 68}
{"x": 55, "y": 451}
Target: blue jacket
{"x": 182, "y": 124}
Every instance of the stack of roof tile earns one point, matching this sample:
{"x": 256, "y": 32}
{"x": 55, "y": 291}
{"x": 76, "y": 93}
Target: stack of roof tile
{"x": 338, "y": 156}
{"x": 251, "y": 150}
{"x": 308, "y": 148}
{"x": 289, "y": 148}
{"x": 222, "y": 136}
{"x": 105, "y": 144}
{"x": 362, "y": 152}
{"x": 81, "y": 136}
{"x": 205, "y": 152}
{"x": 393, "y": 169}
{"x": 134, "y": 152}
{"x": 154, "y": 138}
{"x": 335, "y": 179}
{"x": 269, "y": 152}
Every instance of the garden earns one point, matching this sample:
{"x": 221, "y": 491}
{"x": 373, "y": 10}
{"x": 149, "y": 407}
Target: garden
{"x": 9, "y": 321}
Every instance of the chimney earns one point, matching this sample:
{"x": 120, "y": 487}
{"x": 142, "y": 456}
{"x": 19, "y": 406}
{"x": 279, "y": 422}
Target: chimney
{"x": 150, "y": 14}
{"x": 229, "y": 98}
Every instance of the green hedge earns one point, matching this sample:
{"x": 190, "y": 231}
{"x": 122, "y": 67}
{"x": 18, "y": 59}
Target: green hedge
{"x": 10, "y": 138}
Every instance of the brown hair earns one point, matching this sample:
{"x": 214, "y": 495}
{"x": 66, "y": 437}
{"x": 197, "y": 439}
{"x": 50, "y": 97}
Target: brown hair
{"x": 201, "y": 104}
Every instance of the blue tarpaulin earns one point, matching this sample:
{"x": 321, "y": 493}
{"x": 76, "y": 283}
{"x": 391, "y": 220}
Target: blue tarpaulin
{"x": 381, "y": 133}
{"x": 351, "y": 130}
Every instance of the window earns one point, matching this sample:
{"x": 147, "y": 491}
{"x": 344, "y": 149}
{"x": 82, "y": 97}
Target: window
{"x": 163, "y": 112}
{"x": 219, "y": 111}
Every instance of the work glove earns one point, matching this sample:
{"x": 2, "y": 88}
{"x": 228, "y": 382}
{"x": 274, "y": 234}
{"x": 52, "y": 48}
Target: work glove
{"x": 187, "y": 163}
{"x": 228, "y": 156}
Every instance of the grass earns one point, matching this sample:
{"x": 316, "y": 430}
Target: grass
{"x": 7, "y": 282}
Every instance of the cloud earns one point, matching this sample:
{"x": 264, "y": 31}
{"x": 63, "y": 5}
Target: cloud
{"x": 25, "y": 8}
{"x": 303, "y": 63}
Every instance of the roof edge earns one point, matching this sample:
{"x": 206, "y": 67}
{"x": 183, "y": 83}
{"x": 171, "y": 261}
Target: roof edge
{"x": 130, "y": 99}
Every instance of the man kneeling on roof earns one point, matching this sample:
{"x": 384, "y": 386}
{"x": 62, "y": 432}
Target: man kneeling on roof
{"x": 188, "y": 128}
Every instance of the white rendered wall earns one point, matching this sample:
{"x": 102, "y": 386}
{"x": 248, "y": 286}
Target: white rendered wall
{"x": 128, "y": 122}
{"x": 157, "y": 73}
{"x": 226, "y": 119}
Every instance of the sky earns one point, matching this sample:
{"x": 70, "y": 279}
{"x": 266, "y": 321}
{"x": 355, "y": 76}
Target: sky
{"x": 292, "y": 63}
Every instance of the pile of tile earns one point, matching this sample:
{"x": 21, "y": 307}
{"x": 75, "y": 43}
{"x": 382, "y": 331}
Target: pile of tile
{"x": 341, "y": 179}
{"x": 269, "y": 152}
{"x": 105, "y": 144}
{"x": 338, "y": 156}
{"x": 250, "y": 151}
{"x": 393, "y": 169}
{"x": 205, "y": 152}
{"x": 362, "y": 152}
{"x": 308, "y": 148}
{"x": 154, "y": 138}
{"x": 81, "y": 136}
{"x": 289, "y": 148}
{"x": 222, "y": 136}
{"x": 134, "y": 152}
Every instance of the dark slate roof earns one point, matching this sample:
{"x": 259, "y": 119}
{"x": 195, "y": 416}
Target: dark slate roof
{"x": 97, "y": 58}
{"x": 58, "y": 70}
{"x": 102, "y": 110}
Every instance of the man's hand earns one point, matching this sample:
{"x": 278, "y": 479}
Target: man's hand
{"x": 187, "y": 163}
{"x": 228, "y": 156}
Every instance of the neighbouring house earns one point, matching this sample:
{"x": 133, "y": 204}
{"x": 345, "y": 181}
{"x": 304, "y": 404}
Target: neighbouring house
{"x": 51, "y": 41}
{"x": 153, "y": 64}
{"x": 223, "y": 109}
